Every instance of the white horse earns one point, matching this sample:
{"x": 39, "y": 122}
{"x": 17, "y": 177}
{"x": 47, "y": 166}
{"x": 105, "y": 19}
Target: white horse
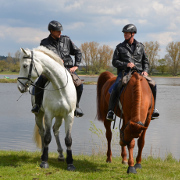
{"x": 59, "y": 100}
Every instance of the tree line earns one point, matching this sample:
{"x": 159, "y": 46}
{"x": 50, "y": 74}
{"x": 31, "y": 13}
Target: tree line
{"x": 97, "y": 58}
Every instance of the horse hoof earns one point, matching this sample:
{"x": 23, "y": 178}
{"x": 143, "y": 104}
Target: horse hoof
{"x": 71, "y": 167}
{"x": 125, "y": 162}
{"x": 131, "y": 169}
{"x": 138, "y": 166}
{"x": 61, "y": 158}
{"x": 108, "y": 161}
{"x": 44, "y": 164}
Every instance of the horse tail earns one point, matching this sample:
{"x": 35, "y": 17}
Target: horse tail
{"x": 103, "y": 77}
{"x": 37, "y": 137}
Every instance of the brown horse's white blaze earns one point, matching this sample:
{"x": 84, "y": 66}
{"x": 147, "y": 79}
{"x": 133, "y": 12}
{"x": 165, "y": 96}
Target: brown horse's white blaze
{"x": 138, "y": 103}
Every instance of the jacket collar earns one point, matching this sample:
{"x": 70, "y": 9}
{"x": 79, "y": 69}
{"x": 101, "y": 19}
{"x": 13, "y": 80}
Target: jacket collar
{"x": 126, "y": 45}
{"x": 52, "y": 39}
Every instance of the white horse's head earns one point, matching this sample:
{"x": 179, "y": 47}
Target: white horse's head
{"x": 30, "y": 68}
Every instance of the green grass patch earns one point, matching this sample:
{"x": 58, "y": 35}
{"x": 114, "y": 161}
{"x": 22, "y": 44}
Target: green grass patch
{"x": 9, "y": 73}
{"x": 8, "y": 80}
{"x": 25, "y": 165}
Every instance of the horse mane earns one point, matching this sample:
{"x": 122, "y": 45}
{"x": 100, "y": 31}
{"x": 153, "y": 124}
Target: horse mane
{"x": 137, "y": 95}
{"x": 103, "y": 78}
{"x": 50, "y": 53}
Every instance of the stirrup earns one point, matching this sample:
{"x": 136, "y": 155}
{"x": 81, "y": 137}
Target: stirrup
{"x": 155, "y": 114}
{"x": 78, "y": 112}
{"x": 110, "y": 116}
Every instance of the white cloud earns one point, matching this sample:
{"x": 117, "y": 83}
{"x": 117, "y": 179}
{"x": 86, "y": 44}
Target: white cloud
{"x": 121, "y": 22}
{"x": 142, "y": 21}
{"x": 22, "y": 35}
{"x": 76, "y": 25}
{"x": 163, "y": 38}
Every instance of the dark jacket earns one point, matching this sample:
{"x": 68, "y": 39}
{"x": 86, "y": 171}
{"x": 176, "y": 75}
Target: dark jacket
{"x": 124, "y": 55}
{"x": 64, "y": 47}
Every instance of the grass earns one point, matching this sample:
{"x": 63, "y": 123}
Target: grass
{"x": 25, "y": 165}
{"x": 8, "y": 80}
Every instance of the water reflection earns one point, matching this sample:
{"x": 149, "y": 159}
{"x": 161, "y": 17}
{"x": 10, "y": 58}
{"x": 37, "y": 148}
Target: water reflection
{"x": 162, "y": 137}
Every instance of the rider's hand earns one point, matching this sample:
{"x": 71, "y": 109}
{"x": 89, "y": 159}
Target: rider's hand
{"x": 144, "y": 73}
{"x": 73, "y": 69}
{"x": 131, "y": 65}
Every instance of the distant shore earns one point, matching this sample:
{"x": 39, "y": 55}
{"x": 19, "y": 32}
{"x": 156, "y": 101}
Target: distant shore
{"x": 6, "y": 79}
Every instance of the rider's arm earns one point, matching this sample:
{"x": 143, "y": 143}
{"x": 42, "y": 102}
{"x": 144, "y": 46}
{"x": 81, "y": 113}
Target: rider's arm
{"x": 145, "y": 62}
{"x": 117, "y": 62}
{"x": 74, "y": 50}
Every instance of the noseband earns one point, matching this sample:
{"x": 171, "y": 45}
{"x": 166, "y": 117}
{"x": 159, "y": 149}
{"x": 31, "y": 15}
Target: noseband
{"x": 29, "y": 81}
{"x": 122, "y": 132}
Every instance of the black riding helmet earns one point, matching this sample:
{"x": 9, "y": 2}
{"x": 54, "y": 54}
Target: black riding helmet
{"x": 130, "y": 28}
{"x": 55, "y": 26}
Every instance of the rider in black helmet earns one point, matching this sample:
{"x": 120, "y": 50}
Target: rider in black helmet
{"x": 55, "y": 26}
{"x": 127, "y": 55}
{"x": 65, "y": 48}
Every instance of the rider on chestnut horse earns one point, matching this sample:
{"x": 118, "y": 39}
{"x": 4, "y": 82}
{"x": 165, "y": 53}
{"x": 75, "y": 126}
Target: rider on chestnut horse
{"x": 127, "y": 55}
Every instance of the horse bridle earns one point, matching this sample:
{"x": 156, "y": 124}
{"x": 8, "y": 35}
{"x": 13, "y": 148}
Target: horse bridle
{"x": 122, "y": 131}
{"x": 29, "y": 81}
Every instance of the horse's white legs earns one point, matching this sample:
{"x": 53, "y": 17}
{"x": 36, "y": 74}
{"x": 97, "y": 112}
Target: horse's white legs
{"x": 47, "y": 140}
{"x": 68, "y": 141}
{"x": 56, "y": 127}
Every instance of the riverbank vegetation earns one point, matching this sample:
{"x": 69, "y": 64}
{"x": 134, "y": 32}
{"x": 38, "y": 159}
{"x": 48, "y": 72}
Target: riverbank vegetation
{"x": 97, "y": 58}
{"x": 25, "y": 165}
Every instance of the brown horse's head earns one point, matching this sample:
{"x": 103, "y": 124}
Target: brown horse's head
{"x": 132, "y": 130}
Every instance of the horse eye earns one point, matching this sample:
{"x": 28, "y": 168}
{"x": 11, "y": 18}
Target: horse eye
{"x": 25, "y": 65}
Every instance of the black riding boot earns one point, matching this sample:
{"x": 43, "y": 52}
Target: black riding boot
{"x": 155, "y": 112}
{"x": 113, "y": 101}
{"x": 39, "y": 94}
{"x": 78, "y": 112}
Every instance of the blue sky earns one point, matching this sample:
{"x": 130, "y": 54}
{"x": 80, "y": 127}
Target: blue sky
{"x": 23, "y": 23}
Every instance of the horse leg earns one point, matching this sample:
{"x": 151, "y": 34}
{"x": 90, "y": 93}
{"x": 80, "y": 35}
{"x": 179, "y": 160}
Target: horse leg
{"x": 124, "y": 155}
{"x": 56, "y": 128}
{"x": 141, "y": 142}
{"x": 131, "y": 168}
{"x": 107, "y": 125}
{"x": 47, "y": 140}
{"x": 68, "y": 141}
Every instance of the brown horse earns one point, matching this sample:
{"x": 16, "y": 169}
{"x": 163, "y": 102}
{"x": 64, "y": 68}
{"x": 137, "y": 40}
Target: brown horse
{"x": 137, "y": 107}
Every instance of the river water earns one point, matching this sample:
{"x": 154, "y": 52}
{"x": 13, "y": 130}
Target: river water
{"x": 162, "y": 137}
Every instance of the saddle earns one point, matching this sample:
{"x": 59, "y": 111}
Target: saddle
{"x": 124, "y": 81}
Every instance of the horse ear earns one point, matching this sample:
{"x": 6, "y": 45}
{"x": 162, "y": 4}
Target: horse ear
{"x": 26, "y": 52}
